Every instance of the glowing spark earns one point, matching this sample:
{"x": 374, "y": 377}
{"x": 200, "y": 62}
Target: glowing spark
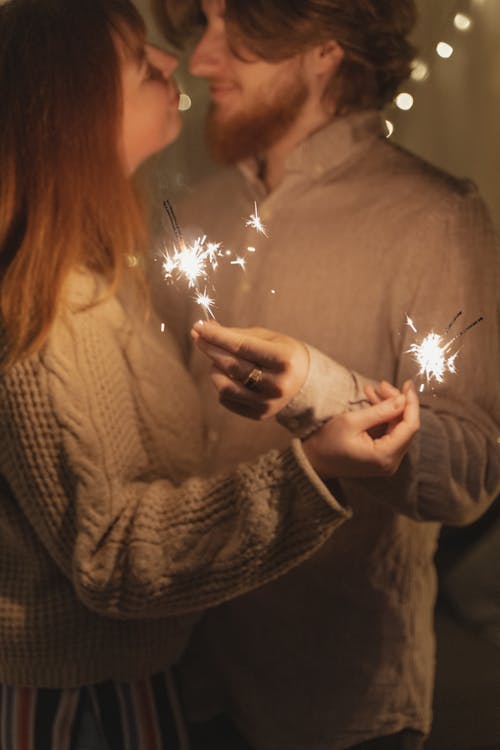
{"x": 255, "y": 222}
{"x": 192, "y": 262}
{"x": 239, "y": 262}
{"x": 203, "y": 299}
{"x": 433, "y": 354}
{"x": 411, "y": 324}
{"x": 163, "y": 327}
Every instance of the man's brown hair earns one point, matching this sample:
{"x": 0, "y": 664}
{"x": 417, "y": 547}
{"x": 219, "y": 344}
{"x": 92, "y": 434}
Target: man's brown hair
{"x": 372, "y": 33}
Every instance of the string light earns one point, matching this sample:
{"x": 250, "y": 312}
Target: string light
{"x": 419, "y": 70}
{"x": 444, "y": 50}
{"x": 460, "y": 21}
{"x": 404, "y": 101}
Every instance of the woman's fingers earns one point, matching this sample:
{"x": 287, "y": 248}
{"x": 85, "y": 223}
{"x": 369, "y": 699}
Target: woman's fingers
{"x": 378, "y": 414}
{"x": 345, "y": 446}
{"x": 269, "y": 353}
{"x": 238, "y": 398}
{"x": 270, "y": 365}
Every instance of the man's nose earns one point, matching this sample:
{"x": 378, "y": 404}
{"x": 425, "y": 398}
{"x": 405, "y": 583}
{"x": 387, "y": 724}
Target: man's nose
{"x": 210, "y": 54}
{"x": 162, "y": 61}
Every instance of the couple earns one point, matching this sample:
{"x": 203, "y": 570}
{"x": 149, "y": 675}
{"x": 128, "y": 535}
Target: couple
{"x": 114, "y": 537}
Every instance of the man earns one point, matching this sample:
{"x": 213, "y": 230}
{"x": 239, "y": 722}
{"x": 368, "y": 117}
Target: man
{"x": 340, "y": 653}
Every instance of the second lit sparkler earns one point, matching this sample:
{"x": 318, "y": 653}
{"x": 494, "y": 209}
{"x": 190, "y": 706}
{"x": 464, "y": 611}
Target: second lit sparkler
{"x": 434, "y": 354}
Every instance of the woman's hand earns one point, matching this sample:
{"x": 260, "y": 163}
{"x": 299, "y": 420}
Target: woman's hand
{"x": 257, "y": 372}
{"x": 370, "y": 442}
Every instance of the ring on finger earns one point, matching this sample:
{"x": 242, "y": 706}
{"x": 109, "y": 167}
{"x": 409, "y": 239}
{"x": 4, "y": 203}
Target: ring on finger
{"x": 253, "y": 379}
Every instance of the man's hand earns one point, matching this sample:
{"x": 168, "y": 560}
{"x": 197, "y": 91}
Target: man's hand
{"x": 257, "y": 372}
{"x": 345, "y": 447}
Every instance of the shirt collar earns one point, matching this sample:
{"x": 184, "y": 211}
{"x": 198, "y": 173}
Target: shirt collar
{"x": 326, "y": 148}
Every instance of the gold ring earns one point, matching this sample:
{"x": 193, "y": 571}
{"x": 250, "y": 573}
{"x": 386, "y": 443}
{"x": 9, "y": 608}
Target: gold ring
{"x": 253, "y": 379}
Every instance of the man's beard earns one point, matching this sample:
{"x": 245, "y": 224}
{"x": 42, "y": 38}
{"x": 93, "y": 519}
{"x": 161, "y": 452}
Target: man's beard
{"x": 253, "y": 131}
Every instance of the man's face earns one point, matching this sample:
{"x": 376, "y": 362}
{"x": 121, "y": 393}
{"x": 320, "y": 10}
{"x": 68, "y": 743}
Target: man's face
{"x": 254, "y": 103}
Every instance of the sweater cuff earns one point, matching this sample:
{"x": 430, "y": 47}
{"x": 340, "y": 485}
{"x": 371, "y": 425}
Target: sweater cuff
{"x": 329, "y": 389}
{"x": 332, "y": 492}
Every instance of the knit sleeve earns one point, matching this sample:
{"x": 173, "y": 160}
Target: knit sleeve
{"x": 452, "y": 472}
{"x": 135, "y": 545}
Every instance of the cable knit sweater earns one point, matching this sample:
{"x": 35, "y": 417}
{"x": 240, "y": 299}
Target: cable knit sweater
{"x": 107, "y": 550}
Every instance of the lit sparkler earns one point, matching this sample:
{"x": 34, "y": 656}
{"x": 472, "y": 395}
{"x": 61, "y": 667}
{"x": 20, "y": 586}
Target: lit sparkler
{"x": 256, "y": 223}
{"x": 195, "y": 262}
{"x": 435, "y": 355}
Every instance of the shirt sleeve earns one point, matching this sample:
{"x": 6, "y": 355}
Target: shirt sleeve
{"x": 134, "y": 545}
{"x": 452, "y": 471}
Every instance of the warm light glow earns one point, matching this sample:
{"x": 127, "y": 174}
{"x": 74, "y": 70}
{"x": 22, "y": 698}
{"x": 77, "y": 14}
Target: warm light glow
{"x": 462, "y": 22}
{"x": 389, "y": 126}
{"x": 419, "y": 71}
{"x": 444, "y": 50}
{"x": 404, "y": 101}
{"x": 185, "y": 102}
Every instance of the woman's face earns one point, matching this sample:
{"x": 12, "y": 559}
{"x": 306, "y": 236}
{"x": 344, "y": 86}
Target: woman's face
{"x": 151, "y": 118}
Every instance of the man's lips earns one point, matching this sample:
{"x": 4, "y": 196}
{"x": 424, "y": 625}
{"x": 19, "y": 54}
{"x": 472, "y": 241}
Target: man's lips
{"x": 220, "y": 91}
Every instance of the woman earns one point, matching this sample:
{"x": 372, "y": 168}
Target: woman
{"x": 108, "y": 548}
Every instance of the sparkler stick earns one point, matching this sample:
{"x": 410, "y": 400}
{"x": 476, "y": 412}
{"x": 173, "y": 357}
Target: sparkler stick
{"x": 472, "y": 325}
{"x": 175, "y": 224}
{"x": 459, "y": 313}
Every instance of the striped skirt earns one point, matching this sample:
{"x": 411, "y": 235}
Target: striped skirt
{"x": 142, "y": 715}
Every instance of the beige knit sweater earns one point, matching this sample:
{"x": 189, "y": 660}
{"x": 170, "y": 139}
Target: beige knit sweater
{"x": 107, "y": 551}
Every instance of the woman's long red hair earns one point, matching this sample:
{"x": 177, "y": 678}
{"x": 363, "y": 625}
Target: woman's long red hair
{"x": 65, "y": 200}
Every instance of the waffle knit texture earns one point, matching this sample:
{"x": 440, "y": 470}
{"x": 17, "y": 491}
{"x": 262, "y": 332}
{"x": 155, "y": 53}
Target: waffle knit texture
{"x": 111, "y": 540}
